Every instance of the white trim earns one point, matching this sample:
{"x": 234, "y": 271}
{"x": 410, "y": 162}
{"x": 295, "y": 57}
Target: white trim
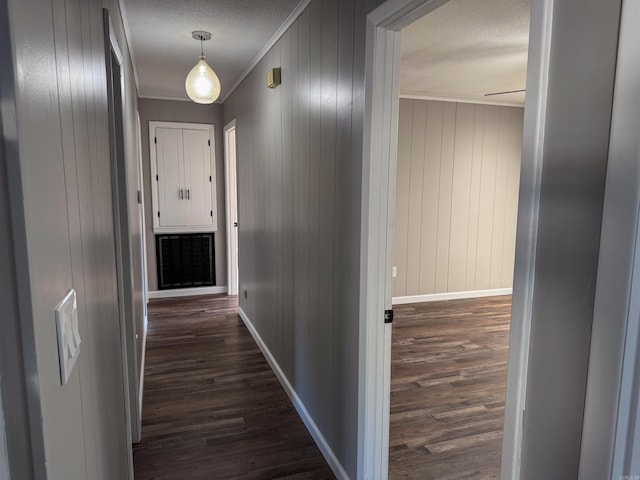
{"x": 187, "y": 292}
{"x": 313, "y": 429}
{"x": 127, "y": 38}
{"x": 185, "y": 229}
{"x": 232, "y": 277}
{"x": 186, "y": 125}
{"x": 166, "y": 97}
{"x": 293, "y": 16}
{"x": 535, "y": 113}
{"x": 461, "y": 100}
{"x": 382, "y": 81}
{"x": 435, "y": 297}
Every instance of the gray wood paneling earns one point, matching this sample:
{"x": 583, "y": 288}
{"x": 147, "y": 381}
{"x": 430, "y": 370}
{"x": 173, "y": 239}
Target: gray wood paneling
{"x": 402, "y": 194}
{"x": 299, "y": 177}
{"x": 416, "y": 172}
{"x": 187, "y": 112}
{"x": 457, "y": 196}
{"x": 68, "y": 228}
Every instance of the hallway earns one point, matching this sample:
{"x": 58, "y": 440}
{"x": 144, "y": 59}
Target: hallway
{"x": 213, "y": 409}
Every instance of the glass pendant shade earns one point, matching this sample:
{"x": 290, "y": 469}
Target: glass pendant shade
{"x": 202, "y": 83}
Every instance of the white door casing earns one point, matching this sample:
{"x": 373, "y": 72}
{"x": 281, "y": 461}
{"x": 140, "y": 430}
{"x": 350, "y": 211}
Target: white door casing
{"x": 232, "y": 206}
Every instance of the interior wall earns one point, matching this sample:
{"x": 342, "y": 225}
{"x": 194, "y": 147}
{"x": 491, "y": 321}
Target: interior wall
{"x": 64, "y": 175}
{"x": 187, "y": 112}
{"x": 129, "y": 204}
{"x": 574, "y": 150}
{"x": 456, "y": 196}
{"x": 18, "y": 448}
{"x": 299, "y": 151}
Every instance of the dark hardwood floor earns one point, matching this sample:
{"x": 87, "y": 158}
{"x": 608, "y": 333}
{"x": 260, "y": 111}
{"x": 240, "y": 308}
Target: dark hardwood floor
{"x": 448, "y": 385}
{"x": 213, "y": 409}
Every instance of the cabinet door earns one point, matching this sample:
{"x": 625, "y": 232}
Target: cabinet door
{"x": 197, "y": 166}
{"x": 171, "y": 189}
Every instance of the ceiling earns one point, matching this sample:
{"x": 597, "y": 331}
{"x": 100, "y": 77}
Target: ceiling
{"x": 462, "y": 50}
{"x": 467, "y": 48}
{"x": 164, "y": 52}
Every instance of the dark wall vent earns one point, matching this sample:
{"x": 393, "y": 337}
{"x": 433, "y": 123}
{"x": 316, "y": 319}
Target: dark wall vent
{"x": 185, "y": 260}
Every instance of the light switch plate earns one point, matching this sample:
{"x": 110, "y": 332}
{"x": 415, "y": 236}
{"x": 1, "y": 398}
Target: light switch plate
{"x": 68, "y": 335}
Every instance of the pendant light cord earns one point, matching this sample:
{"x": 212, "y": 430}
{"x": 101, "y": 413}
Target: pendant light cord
{"x": 201, "y": 47}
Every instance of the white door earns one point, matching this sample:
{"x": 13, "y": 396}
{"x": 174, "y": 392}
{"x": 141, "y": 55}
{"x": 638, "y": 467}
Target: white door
{"x": 232, "y": 208}
{"x": 171, "y": 190}
{"x": 198, "y": 177}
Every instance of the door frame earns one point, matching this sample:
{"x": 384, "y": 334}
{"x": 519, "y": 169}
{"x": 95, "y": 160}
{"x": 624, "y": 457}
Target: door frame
{"x": 137, "y": 434}
{"x": 113, "y": 54}
{"x": 231, "y": 201}
{"x": 382, "y": 75}
{"x": 19, "y": 385}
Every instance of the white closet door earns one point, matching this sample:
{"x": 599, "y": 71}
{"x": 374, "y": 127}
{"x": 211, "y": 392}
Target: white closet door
{"x": 171, "y": 189}
{"x": 197, "y": 165}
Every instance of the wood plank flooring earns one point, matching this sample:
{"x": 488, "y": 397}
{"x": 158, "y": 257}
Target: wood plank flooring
{"x": 448, "y": 385}
{"x": 213, "y": 409}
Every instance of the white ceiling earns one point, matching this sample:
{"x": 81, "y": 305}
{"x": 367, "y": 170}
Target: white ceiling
{"x": 164, "y": 52}
{"x": 467, "y": 48}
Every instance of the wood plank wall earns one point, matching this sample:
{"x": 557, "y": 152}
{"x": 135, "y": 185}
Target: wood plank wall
{"x": 68, "y": 225}
{"x": 300, "y": 174}
{"x": 457, "y": 196}
{"x": 152, "y": 109}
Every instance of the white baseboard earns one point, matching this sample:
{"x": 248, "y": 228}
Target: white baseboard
{"x": 434, "y": 297}
{"x": 187, "y": 292}
{"x": 322, "y": 444}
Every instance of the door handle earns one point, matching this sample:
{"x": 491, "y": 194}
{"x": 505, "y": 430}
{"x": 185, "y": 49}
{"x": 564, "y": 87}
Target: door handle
{"x": 188, "y": 194}
{"x": 235, "y": 224}
{"x": 181, "y": 194}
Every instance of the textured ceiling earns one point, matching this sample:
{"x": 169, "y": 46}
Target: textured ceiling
{"x": 164, "y": 52}
{"x": 467, "y": 48}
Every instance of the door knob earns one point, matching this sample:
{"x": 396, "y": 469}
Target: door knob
{"x": 235, "y": 224}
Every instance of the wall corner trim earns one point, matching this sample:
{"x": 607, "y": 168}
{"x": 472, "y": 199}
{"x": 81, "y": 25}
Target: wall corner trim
{"x": 435, "y": 297}
{"x": 129, "y": 40}
{"x": 292, "y": 17}
{"x": 313, "y": 429}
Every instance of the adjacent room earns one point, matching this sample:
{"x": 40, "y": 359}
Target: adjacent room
{"x": 462, "y": 90}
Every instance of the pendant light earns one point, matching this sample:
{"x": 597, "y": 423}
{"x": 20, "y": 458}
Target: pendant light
{"x": 202, "y": 83}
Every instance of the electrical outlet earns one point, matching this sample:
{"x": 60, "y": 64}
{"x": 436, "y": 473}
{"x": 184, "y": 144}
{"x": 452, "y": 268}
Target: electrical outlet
{"x": 394, "y": 272}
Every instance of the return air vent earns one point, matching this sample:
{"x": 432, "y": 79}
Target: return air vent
{"x": 185, "y": 260}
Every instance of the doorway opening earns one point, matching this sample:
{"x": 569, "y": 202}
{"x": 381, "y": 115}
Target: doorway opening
{"x": 127, "y": 267}
{"x": 231, "y": 184}
{"x": 461, "y": 111}
{"x": 423, "y": 120}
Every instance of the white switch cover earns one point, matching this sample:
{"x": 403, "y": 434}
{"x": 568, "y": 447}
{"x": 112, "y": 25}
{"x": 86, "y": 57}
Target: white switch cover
{"x": 68, "y": 335}
{"x": 394, "y": 272}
